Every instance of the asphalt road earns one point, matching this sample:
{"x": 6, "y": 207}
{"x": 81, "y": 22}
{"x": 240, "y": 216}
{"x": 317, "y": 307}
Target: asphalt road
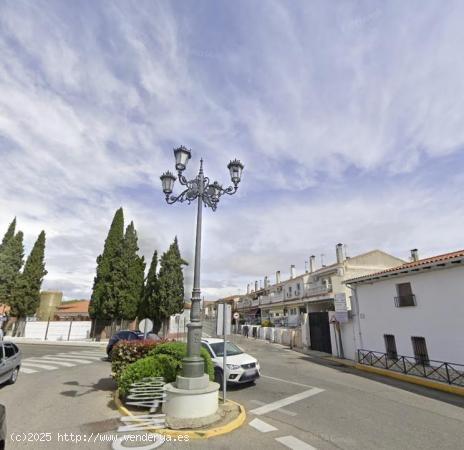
{"x": 299, "y": 403}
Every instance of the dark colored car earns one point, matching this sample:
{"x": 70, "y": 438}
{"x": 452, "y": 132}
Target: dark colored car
{"x": 2, "y": 427}
{"x": 127, "y": 336}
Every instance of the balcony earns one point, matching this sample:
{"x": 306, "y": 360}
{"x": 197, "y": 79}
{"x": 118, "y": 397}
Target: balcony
{"x": 255, "y": 302}
{"x": 318, "y": 289}
{"x": 273, "y": 298}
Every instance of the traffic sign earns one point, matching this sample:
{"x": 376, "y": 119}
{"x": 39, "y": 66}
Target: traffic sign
{"x": 236, "y": 315}
{"x": 145, "y": 326}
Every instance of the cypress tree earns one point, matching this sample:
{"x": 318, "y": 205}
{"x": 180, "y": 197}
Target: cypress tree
{"x": 149, "y": 305}
{"x": 11, "y": 261}
{"x": 8, "y": 235}
{"x": 171, "y": 284}
{"x": 129, "y": 276}
{"x": 26, "y": 294}
{"x": 103, "y": 302}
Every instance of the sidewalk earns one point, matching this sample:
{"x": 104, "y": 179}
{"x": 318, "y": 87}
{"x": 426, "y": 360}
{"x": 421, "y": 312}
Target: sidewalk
{"x": 21, "y": 340}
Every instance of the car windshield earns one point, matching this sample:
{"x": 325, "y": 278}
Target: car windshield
{"x": 232, "y": 349}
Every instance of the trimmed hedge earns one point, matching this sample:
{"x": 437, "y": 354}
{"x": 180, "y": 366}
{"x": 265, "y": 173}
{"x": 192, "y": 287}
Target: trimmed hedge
{"x": 151, "y": 366}
{"x": 178, "y": 350}
{"x": 128, "y": 352}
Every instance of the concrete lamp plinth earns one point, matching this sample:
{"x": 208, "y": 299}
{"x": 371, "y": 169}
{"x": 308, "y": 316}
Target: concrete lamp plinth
{"x": 191, "y": 398}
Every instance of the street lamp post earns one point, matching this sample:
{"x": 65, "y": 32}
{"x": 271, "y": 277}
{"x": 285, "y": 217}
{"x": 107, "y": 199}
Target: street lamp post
{"x": 208, "y": 194}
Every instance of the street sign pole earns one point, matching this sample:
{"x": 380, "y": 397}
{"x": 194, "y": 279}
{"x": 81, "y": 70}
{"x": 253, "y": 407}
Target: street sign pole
{"x": 224, "y": 356}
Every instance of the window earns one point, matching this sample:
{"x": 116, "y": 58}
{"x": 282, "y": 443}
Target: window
{"x": 9, "y": 351}
{"x": 231, "y": 349}
{"x": 420, "y": 350}
{"x": 390, "y": 346}
{"x": 206, "y": 347}
{"x": 404, "y": 297}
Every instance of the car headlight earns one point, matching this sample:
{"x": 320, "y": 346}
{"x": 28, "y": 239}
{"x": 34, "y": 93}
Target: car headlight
{"x": 232, "y": 366}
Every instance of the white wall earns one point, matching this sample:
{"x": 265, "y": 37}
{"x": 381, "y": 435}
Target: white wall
{"x": 438, "y": 315}
{"x": 58, "y": 331}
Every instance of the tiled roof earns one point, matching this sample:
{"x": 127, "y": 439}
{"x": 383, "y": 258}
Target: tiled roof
{"x": 81, "y": 306}
{"x": 411, "y": 265}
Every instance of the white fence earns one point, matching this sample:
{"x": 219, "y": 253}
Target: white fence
{"x": 58, "y": 331}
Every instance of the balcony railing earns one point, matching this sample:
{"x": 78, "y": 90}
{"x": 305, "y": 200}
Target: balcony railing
{"x": 405, "y": 300}
{"x": 318, "y": 289}
{"x": 445, "y": 372}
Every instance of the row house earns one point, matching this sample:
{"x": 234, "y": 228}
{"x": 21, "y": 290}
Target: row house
{"x": 313, "y": 292}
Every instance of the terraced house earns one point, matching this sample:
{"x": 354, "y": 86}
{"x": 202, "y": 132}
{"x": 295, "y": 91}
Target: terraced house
{"x": 285, "y": 302}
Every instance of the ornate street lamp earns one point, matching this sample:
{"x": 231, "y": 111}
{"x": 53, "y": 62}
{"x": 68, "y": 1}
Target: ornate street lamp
{"x": 207, "y": 194}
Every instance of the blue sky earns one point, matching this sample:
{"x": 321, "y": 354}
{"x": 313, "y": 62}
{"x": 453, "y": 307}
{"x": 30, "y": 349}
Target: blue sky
{"x": 348, "y": 117}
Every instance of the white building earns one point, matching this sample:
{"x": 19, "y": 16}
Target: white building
{"x": 416, "y": 309}
{"x": 313, "y": 292}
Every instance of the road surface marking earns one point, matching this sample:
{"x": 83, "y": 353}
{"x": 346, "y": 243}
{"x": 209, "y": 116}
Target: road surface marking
{"x": 99, "y": 354}
{"x": 285, "y": 401}
{"x": 294, "y": 443}
{"x": 96, "y": 358}
{"x": 71, "y": 359}
{"x": 26, "y": 370}
{"x": 40, "y": 366}
{"x": 282, "y": 410}
{"x": 286, "y": 381}
{"x": 262, "y": 426}
{"x": 51, "y": 361}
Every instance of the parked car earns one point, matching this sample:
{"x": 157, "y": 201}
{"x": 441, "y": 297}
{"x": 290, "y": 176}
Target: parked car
{"x": 10, "y": 362}
{"x": 241, "y": 367}
{"x": 127, "y": 335}
{"x": 2, "y": 427}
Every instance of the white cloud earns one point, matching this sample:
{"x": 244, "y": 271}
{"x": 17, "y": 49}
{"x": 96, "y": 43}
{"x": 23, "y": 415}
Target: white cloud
{"x": 317, "y": 100}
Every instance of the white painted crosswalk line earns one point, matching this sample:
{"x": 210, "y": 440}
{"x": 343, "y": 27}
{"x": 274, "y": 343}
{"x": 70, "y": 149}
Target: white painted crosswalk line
{"x": 262, "y": 426}
{"x": 26, "y": 370}
{"x": 95, "y": 358}
{"x": 39, "y": 365}
{"x": 294, "y": 443}
{"x": 51, "y": 361}
{"x": 72, "y": 359}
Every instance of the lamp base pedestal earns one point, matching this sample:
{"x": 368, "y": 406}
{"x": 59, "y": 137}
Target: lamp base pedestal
{"x": 191, "y": 398}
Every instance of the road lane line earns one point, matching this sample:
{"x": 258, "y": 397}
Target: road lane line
{"x": 282, "y": 410}
{"x": 72, "y": 359}
{"x": 285, "y": 401}
{"x": 51, "y": 361}
{"x": 40, "y": 366}
{"x": 27, "y": 371}
{"x": 286, "y": 381}
{"x": 294, "y": 443}
{"x": 262, "y": 426}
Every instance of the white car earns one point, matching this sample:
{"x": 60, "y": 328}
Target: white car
{"x": 241, "y": 367}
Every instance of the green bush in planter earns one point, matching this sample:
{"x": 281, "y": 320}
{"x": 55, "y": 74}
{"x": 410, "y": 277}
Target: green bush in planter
{"x": 151, "y": 366}
{"x": 127, "y": 352}
{"x": 178, "y": 350}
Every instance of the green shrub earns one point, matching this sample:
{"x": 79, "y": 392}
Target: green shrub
{"x": 151, "y": 366}
{"x": 267, "y": 323}
{"x": 127, "y": 352}
{"x": 178, "y": 350}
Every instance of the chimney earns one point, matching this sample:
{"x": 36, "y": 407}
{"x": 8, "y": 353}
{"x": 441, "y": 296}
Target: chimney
{"x": 339, "y": 251}
{"x": 266, "y": 282}
{"x": 312, "y": 263}
{"x": 292, "y": 271}
{"x": 278, "y": 277}
{"x": 256, "y": 286}
{"x": 414, "y": 255}
{"x": 248, "y": 288}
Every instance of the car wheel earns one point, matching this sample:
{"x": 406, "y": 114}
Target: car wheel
{"x": 14, "y": 376}
{"x": 219, "y": 378}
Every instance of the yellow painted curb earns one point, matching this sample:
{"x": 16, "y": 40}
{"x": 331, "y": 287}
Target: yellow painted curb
{"x": 412, "y": 379}
{"x": 193, "y": 434}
